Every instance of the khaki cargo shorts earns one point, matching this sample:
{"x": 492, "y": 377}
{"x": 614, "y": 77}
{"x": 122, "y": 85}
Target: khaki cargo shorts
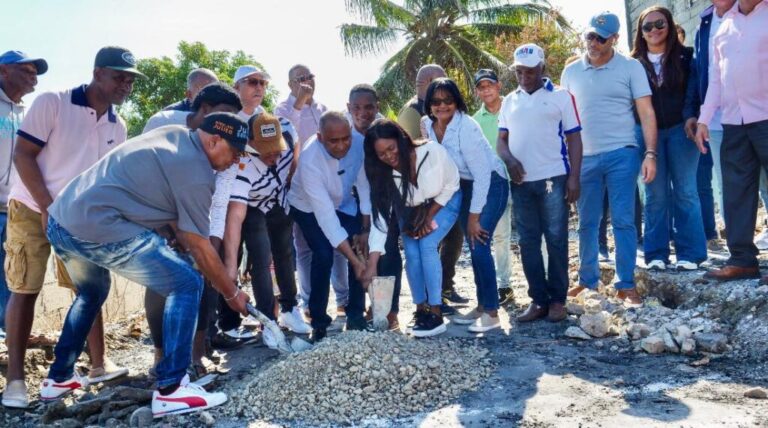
{"x": 27, "y": 252}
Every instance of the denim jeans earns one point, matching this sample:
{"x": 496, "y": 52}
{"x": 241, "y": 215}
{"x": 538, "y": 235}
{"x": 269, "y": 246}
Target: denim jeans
{"x": 501, "y": 253}
{"x": 422, "y": 260}
{"x": 145, "y": 259}
{"x": 483, "y": 266}
{"x": 539, "y": 211}
{"x": 704, "y": 179}
{"x": 322, "y": 263}
{"x": 304, "y": 262}
{"x": 617, "y": 171}
{"x": 5, "y": 294}
{"x": 677, "y": 163}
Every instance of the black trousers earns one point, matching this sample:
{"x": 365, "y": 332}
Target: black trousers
{"x": 743, "y": 153}
{"x": 450, "y": 250}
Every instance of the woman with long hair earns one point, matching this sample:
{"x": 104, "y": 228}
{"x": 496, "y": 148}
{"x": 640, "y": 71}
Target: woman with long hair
{"x": 484, "y": 186}
{"x": 418, "y": 186}
{"x": 673, "y": 194}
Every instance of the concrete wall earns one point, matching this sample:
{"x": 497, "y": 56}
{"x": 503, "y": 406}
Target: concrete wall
{"x": 686, "y": 13}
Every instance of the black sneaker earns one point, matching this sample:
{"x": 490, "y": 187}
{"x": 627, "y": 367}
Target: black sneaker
{"x": 454, "y": 297}
{"x": 358, "y": 324}
{"x": 447, "y": 309}
{"x": 224, "y": 342}
{"x": 506, "y": 296}
{"x": 431, "y": 325}
{"x": 317, "y": 335}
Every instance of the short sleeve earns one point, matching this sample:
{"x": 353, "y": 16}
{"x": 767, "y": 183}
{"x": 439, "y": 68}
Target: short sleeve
{"x": 638, "y": 80}
{"x": 193, "y": 204}
{"x": 40, "y": 119}
{"x": 571, "y": 121}
{"x": 241, "y": 186}
{"x": 503, "y": 125}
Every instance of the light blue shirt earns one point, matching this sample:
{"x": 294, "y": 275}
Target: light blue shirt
{"x": 466, "y": 144}
{"x": 605, "y": 98}
{"x": 352, "y": 161}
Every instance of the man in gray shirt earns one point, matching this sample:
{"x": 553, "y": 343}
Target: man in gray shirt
{"x": 103, "y": 221}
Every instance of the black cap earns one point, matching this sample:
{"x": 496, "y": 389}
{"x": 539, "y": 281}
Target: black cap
{"x": 486, "y": 74}
{"x": 227, "y": 126}
{"x": 117, "y": 58}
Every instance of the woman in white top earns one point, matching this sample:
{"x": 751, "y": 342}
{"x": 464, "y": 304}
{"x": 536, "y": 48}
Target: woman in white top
{"x": 416, "y": 185}
{"x": 484, "y": 186}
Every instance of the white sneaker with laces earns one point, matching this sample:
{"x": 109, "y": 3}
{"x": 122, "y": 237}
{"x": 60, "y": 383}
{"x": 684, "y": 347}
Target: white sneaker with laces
{"x": 761, "y": 240}
{"x": 15, "y": 395}
{"x": 187, "y": 398}
{"x": 52, "y": 390}
{"x": 686, "y": 265}
{"x": 294, "y": 321}
{"x": 657, "y": 265}
{"x": 268, "y": 338}
{"x": 484, "y": 323}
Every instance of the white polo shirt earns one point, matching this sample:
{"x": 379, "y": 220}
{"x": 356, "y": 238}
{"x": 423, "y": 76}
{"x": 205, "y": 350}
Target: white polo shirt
{"x": 537, "y": 124}
{"x": 71, "y": 138}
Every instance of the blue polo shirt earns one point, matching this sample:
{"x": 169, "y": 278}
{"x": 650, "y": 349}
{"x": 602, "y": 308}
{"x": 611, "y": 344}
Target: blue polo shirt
{"x": 605, "y": 98}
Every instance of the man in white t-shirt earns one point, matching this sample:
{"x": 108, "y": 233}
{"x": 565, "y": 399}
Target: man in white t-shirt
{"x": 540, "y": 142}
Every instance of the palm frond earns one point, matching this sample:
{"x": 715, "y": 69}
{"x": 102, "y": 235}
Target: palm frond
{"x": 521, "y": 13}
{"x": 491, "y": 30}
{"x": 365, "y": 39}
{"x": 381, "y": 12}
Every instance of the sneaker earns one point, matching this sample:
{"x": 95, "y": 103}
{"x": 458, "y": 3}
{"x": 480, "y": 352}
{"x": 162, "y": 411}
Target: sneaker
{"x": 293, "y": 321}
{"x": 52, "y": 390}
{"x": 250, "y": 321}
{"x": 268, "y": 338}
{"x": 187, "y": 398}
{"x": 447, "y": 309}
{"x": 684, "y": 265}
{"x": 761, "y": 240}
{"x": 715, "y": 246}
{"x": 605, "y": 256}
{"x": 242, "y": 333}
{"x": 484, "y": 323}
{"x": 656, "y": 265}
{"x": 468, "y": 318}
{"x": 106, "y": 373}
{"x": 453, "y": 296}
{"x": 15, "y": 395}
{"x": 224, "y": 342}
{"x": 506, "y": 296}
{"x": 341, "y": 311}
{"x": 414, "y": 320}
{"x": 431, "y": 325}
{"x": 358, "y": 324}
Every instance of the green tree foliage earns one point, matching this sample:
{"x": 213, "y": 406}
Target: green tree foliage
{"x": 166, "y": 80}
{"x": 460, "y": 35}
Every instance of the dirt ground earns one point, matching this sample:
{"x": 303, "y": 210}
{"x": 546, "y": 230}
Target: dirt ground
{"x": 542, "y": 379}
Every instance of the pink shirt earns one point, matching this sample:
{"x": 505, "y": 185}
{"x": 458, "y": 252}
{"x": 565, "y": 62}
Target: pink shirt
{"x": 306, "y": 120}
{"x": 71, "y": 138}
{"x": 738, "y": 84}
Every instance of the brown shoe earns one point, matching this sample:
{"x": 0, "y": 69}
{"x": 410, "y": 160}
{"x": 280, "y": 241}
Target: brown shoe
{"x": 394, "y": 324}
{"x": 575, "y": 290}
{"x": 533, "y": 313}
{"x": 631, "y": 298}
{"x": 730, "y": 273}
{"x": 556, "y": 312}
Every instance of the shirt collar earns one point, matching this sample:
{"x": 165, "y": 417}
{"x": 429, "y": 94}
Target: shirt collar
{"x": 607, "y": 65}
{"x": 79, "y": 99}
{"x": 548, "y": 86}
{"x": 4, "y": 97}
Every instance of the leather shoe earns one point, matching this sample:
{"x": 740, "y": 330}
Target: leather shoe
{"x": 533, "y": 313}
{"x": 317, "y": 335}
{"x": 730, "y": 273}
{"x": 556, "y": 312}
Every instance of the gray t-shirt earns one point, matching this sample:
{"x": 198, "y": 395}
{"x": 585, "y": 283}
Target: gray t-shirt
{"x": 605, "y": 98}
{"x": 149, "y": 181}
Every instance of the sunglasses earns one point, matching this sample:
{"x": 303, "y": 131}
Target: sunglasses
{"x": 257, "y": 82}
{"x": 302, "y": 79}
{"x": 594, "y": 36}
{"x": 658, "y": 24}
{"x": 438, "y": 101}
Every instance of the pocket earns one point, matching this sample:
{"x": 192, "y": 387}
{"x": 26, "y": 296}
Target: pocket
{"x": 15, "y": 264}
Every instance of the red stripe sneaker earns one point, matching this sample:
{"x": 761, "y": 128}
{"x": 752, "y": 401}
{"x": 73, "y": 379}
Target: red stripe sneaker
{"x": 52, "y": 390}
{"x": 187, "y": 398}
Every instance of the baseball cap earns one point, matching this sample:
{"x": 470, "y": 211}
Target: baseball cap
{"x": 485, "y": 74}
{"x": 227, "y": 126}
{"x": 605, "y": 24}
{"x": 19, "y": 57}
{"x": 246, "y": 70}
{"x": 529, "y": 55}
{"x": 117, "y": 58}
{"x": 266, "y": 133}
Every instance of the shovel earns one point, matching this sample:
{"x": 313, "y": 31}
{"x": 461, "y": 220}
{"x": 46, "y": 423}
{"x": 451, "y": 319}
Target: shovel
{"x": 296, "y": 344}
{"x": 381, "y": 291}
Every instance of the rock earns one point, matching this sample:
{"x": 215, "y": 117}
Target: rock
{"x": 681, "y": 333}
{"x": 758, "y": 393}
{"x": 577, "y": 333}
{"x": 688, "y": 347}
{"x": 669, "y": 343}
{"x": 637, "y": 331}
{"x": 711, "y": 342}
{"x": 574, "y": 308}
{"x": 141, "y": 417}
{"x": 68, "y": 423}
{"x": 653, "y": 345}
{"x": 596, "y": 325}
{"x": 207, "y": 419}
{"x": 593, "y": 306}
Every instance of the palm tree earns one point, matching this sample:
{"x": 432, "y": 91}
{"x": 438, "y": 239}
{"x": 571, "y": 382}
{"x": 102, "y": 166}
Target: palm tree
{"x": 457, "y": 34}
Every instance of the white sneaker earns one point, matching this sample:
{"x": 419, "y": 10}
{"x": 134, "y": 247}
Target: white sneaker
{"x": 294, "y": 321}
{"x": 187, "y": 398}
{"x": 241, "y": 333}
{"x": 250, "y": 321}
{"x": 761, "y": 240}
{"x": 484, "y": 323}
{"x": 468, "y": 318}
{"x": 15, "y": 395}
{"x": 657, "y": 265}
{"x": 686, "y": 265}
{"x": 108, "y": 372}
{"x": 268, "y": 338}
{"x": 52, "y": 390}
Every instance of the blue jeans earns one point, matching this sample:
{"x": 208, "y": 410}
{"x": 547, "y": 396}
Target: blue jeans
{"x": 540, "y": 212}
{"x": 5, "y": 294}
{"x": 676, "y": 166}
{"x": 322, "y": 264}
{"x": 617, "y": 171}
{"x": 704, "y": 179}
{"x": 483, "y": 265}
{"x": 145, "y": 259}
{"x": 422, "y": 260}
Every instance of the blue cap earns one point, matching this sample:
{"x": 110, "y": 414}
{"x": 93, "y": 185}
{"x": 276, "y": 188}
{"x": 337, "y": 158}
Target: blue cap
{"x": 19, "y": 57}
{"x": 605, "y": 24}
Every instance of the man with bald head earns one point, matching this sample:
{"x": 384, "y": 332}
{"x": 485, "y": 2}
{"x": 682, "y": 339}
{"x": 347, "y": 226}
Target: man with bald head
{"x": 413, "y": 110}
{"x": 197, "y": 79}
{"x": 300, "y": 107}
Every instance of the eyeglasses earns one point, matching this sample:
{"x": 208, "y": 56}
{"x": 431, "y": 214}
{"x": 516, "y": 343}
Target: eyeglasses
{"x": 594, "y": 36}
{"x": 302, "y": 79}
{"x": 256, "y": 82}
{"x": 659, "y": 24}
{"x": 438, "y": 101}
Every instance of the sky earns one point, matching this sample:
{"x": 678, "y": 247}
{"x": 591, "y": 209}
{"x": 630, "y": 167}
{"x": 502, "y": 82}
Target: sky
{"x": 278, "y": 33}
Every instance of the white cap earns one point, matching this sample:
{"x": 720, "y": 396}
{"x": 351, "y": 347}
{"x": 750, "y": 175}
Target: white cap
{"x": 529, "y": 55}
{"x": 246, "y": 70}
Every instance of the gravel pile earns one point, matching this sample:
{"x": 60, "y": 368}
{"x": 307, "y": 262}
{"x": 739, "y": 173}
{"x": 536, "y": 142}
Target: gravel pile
{"x": 358, "y": 375}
